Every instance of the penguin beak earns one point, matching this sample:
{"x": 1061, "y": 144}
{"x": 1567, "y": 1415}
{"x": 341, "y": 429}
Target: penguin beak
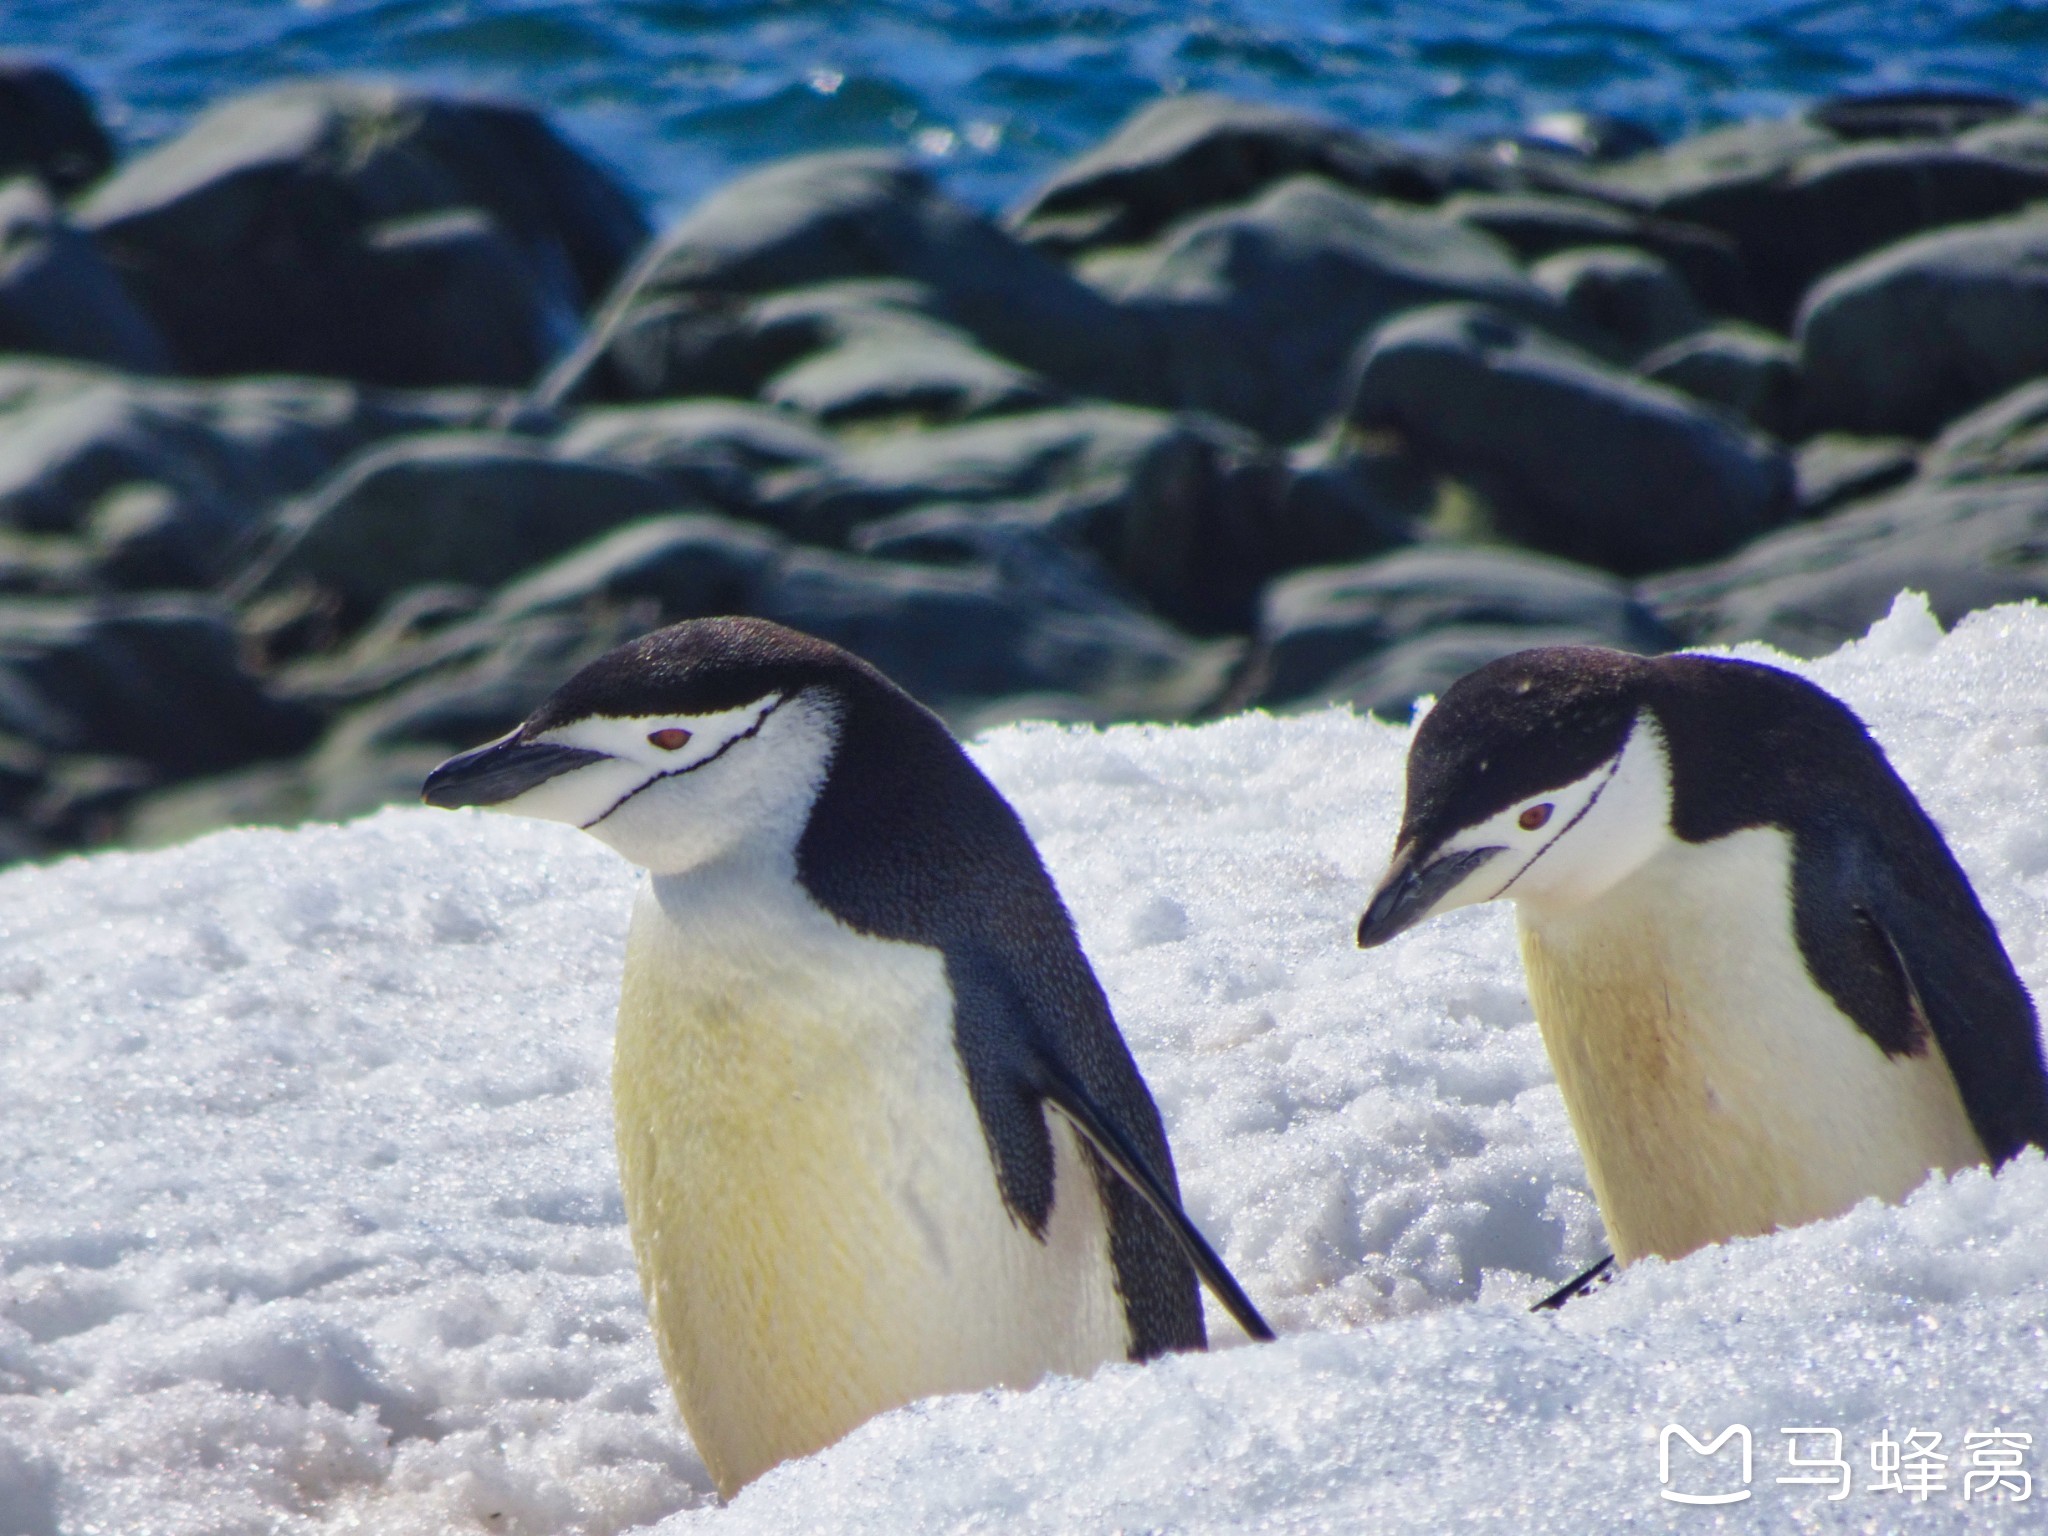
{"x": 1411, "y": 890}
{"x": 501, "y": 770}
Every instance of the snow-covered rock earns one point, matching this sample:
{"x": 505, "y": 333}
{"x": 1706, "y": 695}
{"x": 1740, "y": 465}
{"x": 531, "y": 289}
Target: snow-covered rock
{"x": 309, "y": 1219}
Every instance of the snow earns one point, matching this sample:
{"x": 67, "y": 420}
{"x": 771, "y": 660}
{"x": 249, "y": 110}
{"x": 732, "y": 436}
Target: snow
{"x": 308, "y": 1215}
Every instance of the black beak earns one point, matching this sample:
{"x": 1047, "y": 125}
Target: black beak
{"x": 501, "y": 770}
{"x": 1411, "y": 888}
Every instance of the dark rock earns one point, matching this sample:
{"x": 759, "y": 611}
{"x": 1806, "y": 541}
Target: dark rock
{"x": 713, "y": 451}
{"x": 1346, "y": 497}
{"x": 1027, "y": 549}
{"x": 1521, "y": 162}
{"x": 841, "y": 352}
{"x": 1593, "y": 136}
{"x": 1189, "y": 153}
{"x": 1082, "y": 451}
{"x": 457, "y": 301}
{"x": 824, "y": 219}
{"x": 685, "y": 565}
{"x": 1750, "y": 372}
{"x": 1759, "y": 149}
{"x": 170, "y": 477}
{"x": 269, "y": 795}
{"x": 904, "y": 366}
{"x": 812, "y": 219}
{"x": 260, "y": 239}
{"x": 469, "y": 507}
{"x": 340, "y": 786}
{"x": 1192, "y": 513}
{"x": 1799, "y": 218}
{"x": 1195, "y": 528}
{"x": 422, "y": 629}
{"x": 672, "y": 346}
{"x": 33, "y": 381}
{"x": 159, "y": 680}
{"x": 18, "y": 843}
{"x": 1833, "y": 470}
{"x": 1390, "y": 684}
{"x": 414, "y": 624}
{"x": 48, "y": 126}
{"x": 1536, "y": 224}
{"x": 960, "y": 637}
{"x": 23, "y": 768}
{"x": 455, "y": 690}
{"x": 44, "y": 565}
{"x": 1620, "y": 294}
{"x": 143, "y": 538}
{"x": 281, "y": 627}
{"x": 1809, "y": 588}
{"x": 1576, "y": 459}
{"x": 1912, "y": 337}
{"x": 716, "y": 342}
{"x": 2022, "y": 137}
{"x": 331, "y": 787}
{"x": 1033, "y": 564}
{"x": 59, "y": 298}
{"x": 1260, "y": 307}
{"x": 2007, "y": 437}
{"x": 1351, "y": 632}
{"x": 1912, "y": 114}
{"x": 82, "y": 799}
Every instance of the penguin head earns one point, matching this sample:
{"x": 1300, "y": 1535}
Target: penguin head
{"x": 677, "y": 748}
{"x": 1542, "y": 777}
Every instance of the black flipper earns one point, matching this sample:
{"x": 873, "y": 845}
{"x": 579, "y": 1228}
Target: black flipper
{"x": 1910, "y": 1001}
{"x": 1071, "y": 1100}
{"x": 1959, "y": 985}
{"x": 1900, "y": 943}
{"x": 1582, "y": 1285}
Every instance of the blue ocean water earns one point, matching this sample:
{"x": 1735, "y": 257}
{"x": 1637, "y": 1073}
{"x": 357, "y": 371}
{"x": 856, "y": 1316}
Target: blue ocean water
{"x": 678, "y": 94}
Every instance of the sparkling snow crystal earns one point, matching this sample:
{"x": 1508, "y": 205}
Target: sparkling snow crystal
{"x": 309, "y": 1220}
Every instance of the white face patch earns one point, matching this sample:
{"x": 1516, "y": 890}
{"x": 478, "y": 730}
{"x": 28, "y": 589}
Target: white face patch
{"x": 642, "y": 749}
{"x": 1570, "y": 844}
{"x": 674, "y": 791}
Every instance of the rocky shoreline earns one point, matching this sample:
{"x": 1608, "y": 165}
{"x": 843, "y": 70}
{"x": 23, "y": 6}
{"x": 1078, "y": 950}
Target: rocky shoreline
{"x": 337, "y": 430}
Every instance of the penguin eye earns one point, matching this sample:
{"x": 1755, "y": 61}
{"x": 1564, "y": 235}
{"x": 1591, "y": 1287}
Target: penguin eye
{"x": 670, "y": 738}
{"x": 1535, "y": 816}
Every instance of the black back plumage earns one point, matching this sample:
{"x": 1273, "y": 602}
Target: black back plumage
{"x": 908, "y": 841}
{"x": 1886, "y": 921}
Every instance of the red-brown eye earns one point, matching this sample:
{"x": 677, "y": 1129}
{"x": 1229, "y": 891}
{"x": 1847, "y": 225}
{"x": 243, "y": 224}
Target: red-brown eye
{"x": 670, "y": 738}
{"x": 1535, "y": 816}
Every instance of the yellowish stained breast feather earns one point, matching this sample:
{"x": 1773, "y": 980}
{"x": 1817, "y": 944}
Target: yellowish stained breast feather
{"x": 812, "y": 1201}
{"x": 1715, "y": 1090}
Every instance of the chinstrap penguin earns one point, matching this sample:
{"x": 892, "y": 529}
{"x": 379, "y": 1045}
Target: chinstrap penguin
{"x": 851, "y": 996}
{"x": 1764, "y": 983}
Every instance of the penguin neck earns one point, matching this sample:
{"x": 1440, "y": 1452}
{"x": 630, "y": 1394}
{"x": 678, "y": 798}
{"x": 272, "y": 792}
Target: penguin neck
{"x": 1716, "y": 1091}
{"x": 745, "y": 907}
{"x": 740, "y": 874}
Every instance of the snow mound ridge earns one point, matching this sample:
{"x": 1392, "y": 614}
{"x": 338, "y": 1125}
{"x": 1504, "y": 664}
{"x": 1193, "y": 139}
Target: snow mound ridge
{"x": 310, "y": 1219}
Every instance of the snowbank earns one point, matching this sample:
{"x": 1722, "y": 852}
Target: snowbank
{"x": 308, "y": 1218}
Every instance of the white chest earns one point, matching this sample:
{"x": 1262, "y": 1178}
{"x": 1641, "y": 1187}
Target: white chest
{"x": 812, "y": 1200}
{"x": 1715, "y": 1090}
